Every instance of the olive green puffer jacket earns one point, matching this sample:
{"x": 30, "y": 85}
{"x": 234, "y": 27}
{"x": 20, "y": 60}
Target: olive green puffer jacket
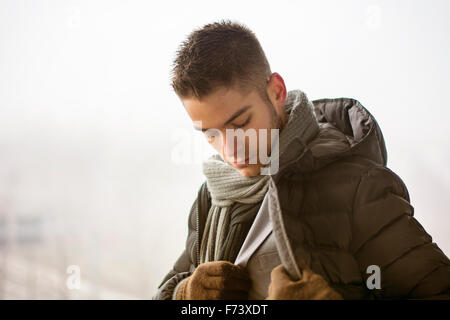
{"x": 337, "y": 209}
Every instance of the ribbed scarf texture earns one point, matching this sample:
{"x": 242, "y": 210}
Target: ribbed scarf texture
{"x": 227, "y": 225}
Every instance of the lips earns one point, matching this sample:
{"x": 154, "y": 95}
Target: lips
{"x": 240, "y": 163}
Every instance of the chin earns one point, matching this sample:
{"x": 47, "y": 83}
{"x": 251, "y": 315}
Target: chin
{"x": 250, "y": 171}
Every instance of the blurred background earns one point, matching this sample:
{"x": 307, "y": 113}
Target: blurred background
{"x": 99, "y": 164}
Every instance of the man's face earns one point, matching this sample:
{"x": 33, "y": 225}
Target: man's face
{"x": 229, "y": 109}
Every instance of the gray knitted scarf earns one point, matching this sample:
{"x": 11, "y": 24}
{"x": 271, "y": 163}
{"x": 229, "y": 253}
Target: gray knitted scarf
{"x": 226, "y": 228}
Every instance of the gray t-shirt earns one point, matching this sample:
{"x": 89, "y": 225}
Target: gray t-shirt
{"x": 259, "y": 253}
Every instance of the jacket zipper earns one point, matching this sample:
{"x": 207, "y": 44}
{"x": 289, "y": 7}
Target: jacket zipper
{"x": 198, "y": 236}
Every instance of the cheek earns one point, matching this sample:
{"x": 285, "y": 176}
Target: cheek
{"x": 264, "y": 138}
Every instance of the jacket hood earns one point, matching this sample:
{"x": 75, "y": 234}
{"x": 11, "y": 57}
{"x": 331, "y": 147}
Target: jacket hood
{"x": 356, "y": 123}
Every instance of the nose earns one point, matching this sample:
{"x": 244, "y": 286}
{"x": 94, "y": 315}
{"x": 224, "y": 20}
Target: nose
{"x": 230, "y": 148}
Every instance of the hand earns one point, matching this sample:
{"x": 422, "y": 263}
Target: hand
{"x": 311, "y": 287}
{"x": 215, "y": 280}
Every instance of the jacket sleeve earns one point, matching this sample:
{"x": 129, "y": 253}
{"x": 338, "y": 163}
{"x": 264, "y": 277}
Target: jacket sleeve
{"x": 172, "y": 279}
{"x": 184, "y": 266}
{"x": 385, "y": 234}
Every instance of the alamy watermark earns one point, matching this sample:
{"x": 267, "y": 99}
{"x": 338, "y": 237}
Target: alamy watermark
{"x": 190, "y": 149}
{"x": 374, "y": 15}
{"x": 374, "y": 280}
{"x": 74, "y": 279}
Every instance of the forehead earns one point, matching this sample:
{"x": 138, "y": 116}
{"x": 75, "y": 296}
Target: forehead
{"x": 218, "y": 107}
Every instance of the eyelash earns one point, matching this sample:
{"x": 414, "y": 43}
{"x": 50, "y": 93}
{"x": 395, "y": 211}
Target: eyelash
{"x": 237, "y": 126}
{"x": 245, "y": 123}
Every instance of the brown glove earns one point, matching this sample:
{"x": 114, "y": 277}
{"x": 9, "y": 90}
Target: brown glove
{"x": 311, "y": 287}
{"x": 215, "y": 280}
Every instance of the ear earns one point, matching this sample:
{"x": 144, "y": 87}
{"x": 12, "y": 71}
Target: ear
{"x": 277, "y": 93}
{"x": 276, "y": 89}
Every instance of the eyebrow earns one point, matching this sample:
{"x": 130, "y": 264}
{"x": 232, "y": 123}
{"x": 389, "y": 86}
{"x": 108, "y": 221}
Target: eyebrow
{"x": 234, "y": 116}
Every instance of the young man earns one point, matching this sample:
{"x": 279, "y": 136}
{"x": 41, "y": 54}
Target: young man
{"x": 329, "y": 221}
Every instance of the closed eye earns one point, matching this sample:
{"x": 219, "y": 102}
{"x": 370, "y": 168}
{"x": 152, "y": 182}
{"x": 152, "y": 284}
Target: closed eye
{"x": 244, "y": 123}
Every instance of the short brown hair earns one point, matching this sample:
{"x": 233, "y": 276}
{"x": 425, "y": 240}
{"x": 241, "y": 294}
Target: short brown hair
{"x": 220, "y": 54}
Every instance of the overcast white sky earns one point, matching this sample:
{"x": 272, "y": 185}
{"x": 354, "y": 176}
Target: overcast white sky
{"x": 88, "y": 121}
